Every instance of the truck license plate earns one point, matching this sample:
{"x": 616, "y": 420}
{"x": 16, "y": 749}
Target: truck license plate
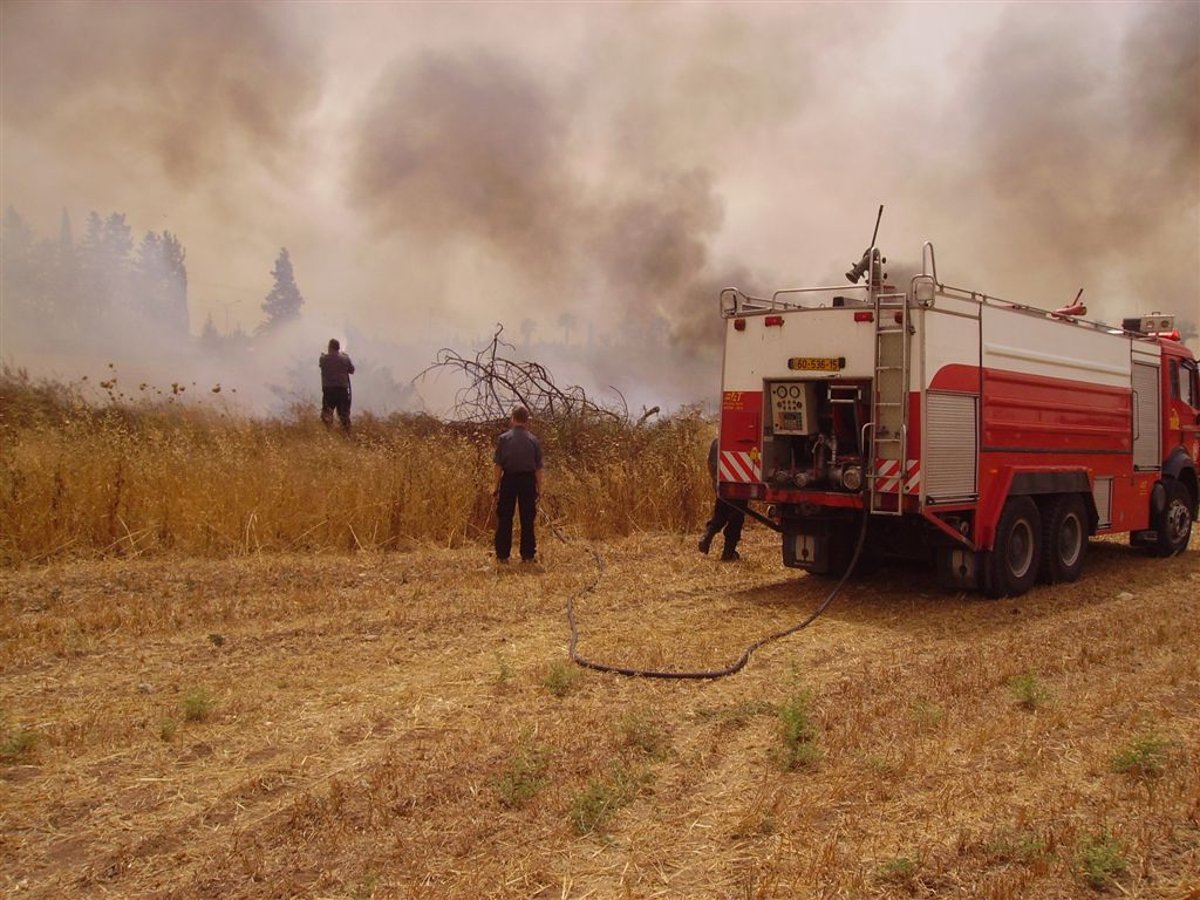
{"x": 817, "y": 363}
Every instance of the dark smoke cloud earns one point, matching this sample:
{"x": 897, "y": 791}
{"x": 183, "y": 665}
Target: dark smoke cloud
{"x": 194, "y": 89}
{"x": 1092, "y": 156}
{"x": 604, "y": 169}
{"x": 652, "y": 251}
{"x": 599, "y": 184}
{"x": 184, "y": 115}
{"x": 475, "y": 147}
{"x": 452, "y": 146}
{"x": 1163, "y": 56}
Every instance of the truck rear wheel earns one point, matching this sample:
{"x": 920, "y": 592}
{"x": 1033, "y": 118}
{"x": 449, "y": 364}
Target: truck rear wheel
{"x": 1174, "y": 523}
{"x": 1011, "y": 567}
{"x": 1064, "y": 539}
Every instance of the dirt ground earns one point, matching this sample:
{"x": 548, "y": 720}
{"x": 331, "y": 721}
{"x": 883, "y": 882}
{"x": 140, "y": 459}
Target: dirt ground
{"x": 406, "y": 725}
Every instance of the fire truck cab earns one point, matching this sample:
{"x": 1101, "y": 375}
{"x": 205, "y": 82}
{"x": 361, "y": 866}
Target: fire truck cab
{"x": 990, "y": 436}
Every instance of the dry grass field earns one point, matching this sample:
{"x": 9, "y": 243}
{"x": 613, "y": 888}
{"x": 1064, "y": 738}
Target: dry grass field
{"x": 136, "y": 477}
{"x": 406, "y": 724}
{"x": 224, "y": 673}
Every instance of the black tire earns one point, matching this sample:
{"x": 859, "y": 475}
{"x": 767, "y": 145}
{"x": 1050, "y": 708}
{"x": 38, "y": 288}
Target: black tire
{"x": 1064, "y": 539}
{"x": 1011, "y": 567}
{"x": 1174, "y": 524}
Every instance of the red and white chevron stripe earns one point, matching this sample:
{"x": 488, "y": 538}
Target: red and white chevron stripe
{"x": 888, "y": 472}
{"x": 739, "y": 465}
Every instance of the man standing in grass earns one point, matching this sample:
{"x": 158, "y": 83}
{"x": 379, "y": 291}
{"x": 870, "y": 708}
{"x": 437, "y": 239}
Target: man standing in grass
{"x": 518, "y": 467}
{"x": 336, "y": 370}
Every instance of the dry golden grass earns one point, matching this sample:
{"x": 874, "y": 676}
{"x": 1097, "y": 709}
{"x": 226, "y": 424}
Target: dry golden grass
{"x": 134, "y": 479}
{"x": 373, "y": 708}
{"x": 384, "y": 724}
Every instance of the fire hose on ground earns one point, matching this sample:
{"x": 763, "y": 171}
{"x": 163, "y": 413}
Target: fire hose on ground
{"x": 733, "y": 668}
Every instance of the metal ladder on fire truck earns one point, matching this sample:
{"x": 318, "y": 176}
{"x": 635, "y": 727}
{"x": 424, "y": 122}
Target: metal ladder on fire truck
{"x": 887, "y": 470}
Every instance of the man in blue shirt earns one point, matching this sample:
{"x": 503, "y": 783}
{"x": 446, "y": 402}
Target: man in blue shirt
{"x": 518, "y": 467}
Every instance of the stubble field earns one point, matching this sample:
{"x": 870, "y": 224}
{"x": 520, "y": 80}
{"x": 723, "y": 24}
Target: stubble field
{"x": 407, "y": 724}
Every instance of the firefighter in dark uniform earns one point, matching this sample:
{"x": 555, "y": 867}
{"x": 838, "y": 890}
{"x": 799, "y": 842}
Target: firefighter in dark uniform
{"x": 728, "y": 515}
{"x": 336, "y": 369}
{"x": 518, "y": 468}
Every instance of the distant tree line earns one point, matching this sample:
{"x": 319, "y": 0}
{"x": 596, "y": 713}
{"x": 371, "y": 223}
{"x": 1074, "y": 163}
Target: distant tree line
{"x": 100, "y": 285}
{"x": 105, "y": 287}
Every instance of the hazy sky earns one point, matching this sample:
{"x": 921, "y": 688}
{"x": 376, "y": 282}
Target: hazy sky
{"x": 436, "y": 168}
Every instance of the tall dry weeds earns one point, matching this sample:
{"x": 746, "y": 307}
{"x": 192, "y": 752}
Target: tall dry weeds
{"x": 128, "y": 478}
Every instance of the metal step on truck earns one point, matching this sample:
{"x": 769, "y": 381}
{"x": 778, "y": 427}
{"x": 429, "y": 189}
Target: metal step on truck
{"x": 985, "y": 435}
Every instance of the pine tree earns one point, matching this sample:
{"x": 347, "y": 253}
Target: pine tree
{"x": 16, "y": 272}
{"x": 528, "y": 326}
{"x": 566, "y": 322}
{"x": 66, "y": 299}
{"x": 106, "y": 270}
{"x": 283, "y": 303}
{"x": 208, "y": 335}
{"x": 161, "y": 279}
{"x": 175, "y": 283}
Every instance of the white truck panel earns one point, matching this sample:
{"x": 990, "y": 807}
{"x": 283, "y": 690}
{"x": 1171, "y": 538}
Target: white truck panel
{"x": 1040, "y": 345}
{"x": 761, "y": 352}
{"x": 944, "y": 339}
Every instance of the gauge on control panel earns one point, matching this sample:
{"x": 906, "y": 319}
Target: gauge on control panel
{"x": 793, "y": 407}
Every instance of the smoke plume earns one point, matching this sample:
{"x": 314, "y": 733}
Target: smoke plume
{"x": 196, "y": 90}
{"x": 592, "y": 174}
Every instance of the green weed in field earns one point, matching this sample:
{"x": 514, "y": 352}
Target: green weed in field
{"x": 600, "y": 800}
{"x": 523, "y": 777}
{"x": 504, "y": 671}
{"x": 198, "y": 705}
{"x": 1029, "y": 692}
{"x": 1102, "y": 860}
{"x": 1025, "y": 847}
{"x": 560, "y": 678}
{"x": 1144, "y": 757}
{"x": 798, "y": 732}
{"x": 19, "y": 745}
{"x": 926, "y": 713}
{"x": 640, "y": 729}
{"x": 898, "y": 870}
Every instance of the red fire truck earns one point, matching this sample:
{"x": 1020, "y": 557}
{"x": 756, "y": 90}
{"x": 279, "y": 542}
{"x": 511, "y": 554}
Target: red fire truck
{"x": 985, "y": 435}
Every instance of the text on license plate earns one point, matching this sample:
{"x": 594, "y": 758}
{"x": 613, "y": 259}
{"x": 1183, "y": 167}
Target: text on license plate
{"x": 817, "y": 363}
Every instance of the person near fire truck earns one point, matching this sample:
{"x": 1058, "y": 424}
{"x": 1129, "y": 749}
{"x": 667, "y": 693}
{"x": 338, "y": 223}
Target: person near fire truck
{"x": 518, "y": 467}
{"x": 727, "y": 516}
{"x": 336, "y": 369}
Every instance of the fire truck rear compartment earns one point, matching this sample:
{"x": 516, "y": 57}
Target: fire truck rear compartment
{"x": 813, "y": 432}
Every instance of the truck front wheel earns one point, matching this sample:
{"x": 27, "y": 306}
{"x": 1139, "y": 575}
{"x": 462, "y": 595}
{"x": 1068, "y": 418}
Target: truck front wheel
{"x": 1064, "y": 539}
{"x": 1174, "y": 523}
{"x": 1011, "y": 567}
